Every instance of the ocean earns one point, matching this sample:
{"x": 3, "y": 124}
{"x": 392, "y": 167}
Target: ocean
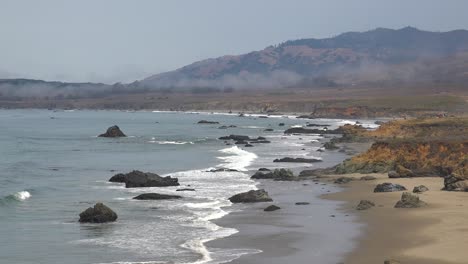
{"x": 53, "y": 166}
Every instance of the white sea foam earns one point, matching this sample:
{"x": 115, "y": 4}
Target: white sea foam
{"x": 21, "y": 196}
{"x": 170, "y": 142}
{"x": 239, "y": 160}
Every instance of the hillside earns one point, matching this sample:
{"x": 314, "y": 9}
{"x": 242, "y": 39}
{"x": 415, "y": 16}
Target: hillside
{"x": 381, "y": 56}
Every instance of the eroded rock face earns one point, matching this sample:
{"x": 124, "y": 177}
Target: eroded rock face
{"x": 271, "y": 208}
{"x": 113, "y": 131}
{"x": 156, "y": 196}
{"x": 389, "y": 187}
{"x": 136, "y": 179}
{"x": 98, "y": 214}
{"x": 456, "y": 182}
{"x": 409, "y": 200}
{"x": 253, "y": 196}
{"x": 364, "y": 205}
{"x": 420, "y": 189}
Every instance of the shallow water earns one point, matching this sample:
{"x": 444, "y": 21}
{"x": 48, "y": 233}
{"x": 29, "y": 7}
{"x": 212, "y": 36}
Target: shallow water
{"x": 53, "y": 167}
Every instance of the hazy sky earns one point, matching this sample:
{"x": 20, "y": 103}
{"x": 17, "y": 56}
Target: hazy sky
{"x": 117, "y": 40}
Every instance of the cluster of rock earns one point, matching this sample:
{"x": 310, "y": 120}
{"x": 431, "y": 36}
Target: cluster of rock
{"x": 389, "y": 187}
{"x": 244, "y": 140}
{"x": 277, "y": 174}
{"x": 135, "y": 179}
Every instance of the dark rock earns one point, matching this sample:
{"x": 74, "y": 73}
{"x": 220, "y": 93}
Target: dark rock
{"x": 404, "y": 172}
{"x": 98, "y": 214}
{"x": 364, "y": 205}
{"x": 113, "y": 131}
{"x": 420, "y": 189}
{"x": 302, "y": 203}
{"x": 241, "y": 142}
{"x": 203, "y": 122}
{"x": 330, "y": 145}
{"x": 368, "y": 178}
{"x": 156, "y": 196}
{"x": 455, "y": 182}
{"x": 409, "y": 200}
{"x": 222, "y": 170}
{"x": 268, "y": 130}
{"x": 342, "y": 180}
{"x": 248, "y": 145}
{"x": 141, "y": 179}
{"x": 277, "y": 174}
{"x": 235, "y": 138}
{"x": 317, "y": 125}
{"x": 298, "y": 160}
{"x": 263, "y": 169}
{"x": 271, "y": 208}
{"x": 185, "y": 190}
{"x": 391, "y": 261}
{"x": 393, "y": 174}
{"x": 281, "y": 124}
{"x": 253, "y": 196}
{"x": 389, "y": 187}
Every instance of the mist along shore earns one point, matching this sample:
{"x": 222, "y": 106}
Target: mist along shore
{"x": 408, "y": 191}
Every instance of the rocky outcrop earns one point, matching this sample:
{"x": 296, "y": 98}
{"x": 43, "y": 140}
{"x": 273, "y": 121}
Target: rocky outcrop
{"x": 113, "y": 131}
{"x": 458, "y": 179}
{"x": 206, "y": 122}
{"x": 389, "y": 187}
{"x": 330, "y": 145}
{"x": 409, "y": 200}
{"x": 302, "y": 203}
{"x": 297, "y": 160}
{"x": 364, "y": 205}
{"x": 222, "y": 170}
{"x": 253, "y": 196}
{"x": 420, "y": 189}
{"x": 271, "y": 208}
{"x": 98, "y": 214}
{"x": 301, "y": 130}
{"x": 136, "y": 179}
{"x": 156, "y": 196}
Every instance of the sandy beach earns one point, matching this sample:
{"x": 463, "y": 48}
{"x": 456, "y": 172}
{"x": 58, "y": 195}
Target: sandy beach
{"x": 433, "y": 234}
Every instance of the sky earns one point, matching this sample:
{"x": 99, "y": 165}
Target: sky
{"x": 124, "y": 40}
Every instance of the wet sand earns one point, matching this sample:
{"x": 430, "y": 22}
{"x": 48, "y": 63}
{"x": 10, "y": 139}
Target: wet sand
{"x": 295, "y": 233}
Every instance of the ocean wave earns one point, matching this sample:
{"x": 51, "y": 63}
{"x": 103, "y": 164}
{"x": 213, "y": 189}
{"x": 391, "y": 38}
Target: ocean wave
{"x": 170, "y": 142}
{"x": 18, "y": 197}
{"x": 239, "y": 159}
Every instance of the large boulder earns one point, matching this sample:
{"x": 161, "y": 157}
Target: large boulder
{"x": 98, "y": 214}
{"x": 253, "y": 196}
{"x": 136, "y": 179}
{"x": 364, "y": 205}
{"x": 368, "y": 178}
{"x": 409, "y": 200}
{"x": 156, "y": 196}
{"x": 297, "y": 160}
{"x": 113, "y": 131}
{"x": 389, "y": 187}
{"x": 455, "y": 182}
